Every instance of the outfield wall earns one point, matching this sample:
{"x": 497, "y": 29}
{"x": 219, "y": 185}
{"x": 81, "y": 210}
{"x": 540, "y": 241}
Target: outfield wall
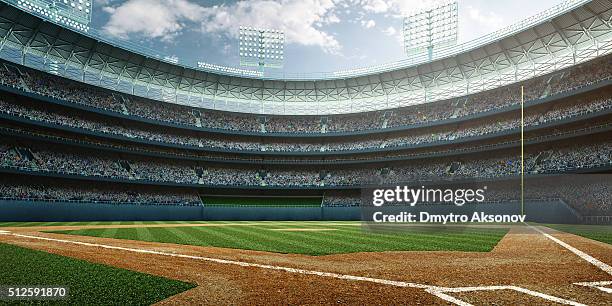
{"x": 12, "y": 210}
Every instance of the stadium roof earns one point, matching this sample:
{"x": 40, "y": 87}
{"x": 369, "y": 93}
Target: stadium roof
{"x": 572, "y": 32}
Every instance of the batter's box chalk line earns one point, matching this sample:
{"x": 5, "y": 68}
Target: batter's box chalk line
{"x": 598, "y": 285}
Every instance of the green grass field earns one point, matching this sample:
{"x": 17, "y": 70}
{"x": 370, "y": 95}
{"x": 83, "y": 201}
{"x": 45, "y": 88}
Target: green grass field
{"x": 329, "y": 238}
{"x": 26, "y": 224}
{"x": 345, "y": 237}
{"x": 81, "y": 223}
{"x": 88, "y": 283}
{"x": 601, "y": 233}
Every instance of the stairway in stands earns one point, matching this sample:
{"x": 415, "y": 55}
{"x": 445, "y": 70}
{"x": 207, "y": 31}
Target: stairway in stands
{"x": 14, "y": 70}
{"x": 459, "y": 106}
{"x": 25, "y": 154}
{"x": 125, "y": 165}
{"x": 453, "y": 168}
{"x": 324, "y": 124}
{"x": 385, "y": 119}
{"x": 262, "y": 123}
{"x": 122, "y": 101}
{"x": 198, "y": 117}
{"x": 261, "y": 177}
{"x": 555, "y": 78}
{"x": 534, "y": 165}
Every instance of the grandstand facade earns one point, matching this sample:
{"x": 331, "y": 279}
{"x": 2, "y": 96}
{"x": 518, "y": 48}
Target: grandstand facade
{"x": 115, "y": 128}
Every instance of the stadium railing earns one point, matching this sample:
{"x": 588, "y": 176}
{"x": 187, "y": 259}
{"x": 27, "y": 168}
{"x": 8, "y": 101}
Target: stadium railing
{"x": 33, "y": 199}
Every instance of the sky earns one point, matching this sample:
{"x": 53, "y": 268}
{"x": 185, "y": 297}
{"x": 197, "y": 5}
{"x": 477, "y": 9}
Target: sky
{"x": 321, "y": 35}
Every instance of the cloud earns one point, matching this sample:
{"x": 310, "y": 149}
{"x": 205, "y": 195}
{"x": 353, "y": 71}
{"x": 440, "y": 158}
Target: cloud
{"x": 103, "y": 2}
{"x": 390, "y": 31}
{"x": 375, "y": 6}
{"x": 394, "y": 8}
{"x": 488, "y": 20}
{"x": 305, "y": 22}
{"x": 151, "y": 18}
{"x": 368, "y": 23}
{"x": 331, "y": 18}
{"x": 396, "y": 34}
{"x": 301, "y": 20}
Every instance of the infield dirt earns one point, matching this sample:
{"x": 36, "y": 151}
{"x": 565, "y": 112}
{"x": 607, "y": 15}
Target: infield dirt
{"x": 523, "y": 258}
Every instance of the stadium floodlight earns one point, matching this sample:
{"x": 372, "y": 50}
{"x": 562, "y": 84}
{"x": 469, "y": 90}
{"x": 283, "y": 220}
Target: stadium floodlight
{"x": 431, "y": 27}
{"x": 73, "y": 13}
{"x": 263, "y": 48}
{"x": 230, "y": 70}
{"x": 171, "y": 59}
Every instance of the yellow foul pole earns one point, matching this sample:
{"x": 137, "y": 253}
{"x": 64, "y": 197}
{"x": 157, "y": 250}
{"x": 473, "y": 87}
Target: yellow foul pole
{"x": 522, "y": 151}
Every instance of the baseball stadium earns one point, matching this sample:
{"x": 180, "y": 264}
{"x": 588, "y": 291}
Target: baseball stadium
{"x": 464, "y": 173}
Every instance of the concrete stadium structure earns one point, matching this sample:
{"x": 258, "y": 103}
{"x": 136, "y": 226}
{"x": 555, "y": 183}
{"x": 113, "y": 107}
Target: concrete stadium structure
{"x": 79, "y": 110}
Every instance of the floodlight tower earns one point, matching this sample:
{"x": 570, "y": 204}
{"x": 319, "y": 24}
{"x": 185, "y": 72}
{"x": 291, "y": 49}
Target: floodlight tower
{"x": 73, "y": 13}
{"x": 262, "y": 48}
{"x": 431, "y": 27}
{"x": 171, "y": 59}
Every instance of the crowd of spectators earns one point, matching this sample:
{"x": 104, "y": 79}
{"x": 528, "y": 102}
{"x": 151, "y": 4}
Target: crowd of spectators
{"x": 588, "y": 195}
{"x": 304, "y": 124}
{"x": 569, "y": 158}
{"x": 449, "y": 133}
{"x": 114, "y": 195}
{"x": 108, "y": 144}
{"x": 72, "y": 91}
{"x": 217, "y": 176}
{"x": 341, "y": 201}
{"x": 565, "y": 158}
{"x": 183, "y": 172}
{"x": 111, "y": 166}
{"x": 292, "y": 178}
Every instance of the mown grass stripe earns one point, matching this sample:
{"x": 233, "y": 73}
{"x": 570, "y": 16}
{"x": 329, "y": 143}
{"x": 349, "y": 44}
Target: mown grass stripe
{"x": 213, "y": 235}
{"x": 343, "y": 239}
{"x": 182, "y": 235}
{"x": 334, "y": 242}
{"x": 239, "y": 235}
{"x": 143, "y": 234}
{"x": 290, "y": 239}
{"x": 107, "y": 232}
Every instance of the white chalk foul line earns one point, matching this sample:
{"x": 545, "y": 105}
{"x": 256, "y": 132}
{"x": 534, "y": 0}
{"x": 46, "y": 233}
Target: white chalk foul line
{"x": 594, "y": 261}
{"x": 597, "y": 285}
{"x": 238, "y": 263}
{"x": 439, "y": 292}
{"x": 447, "y": 297}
